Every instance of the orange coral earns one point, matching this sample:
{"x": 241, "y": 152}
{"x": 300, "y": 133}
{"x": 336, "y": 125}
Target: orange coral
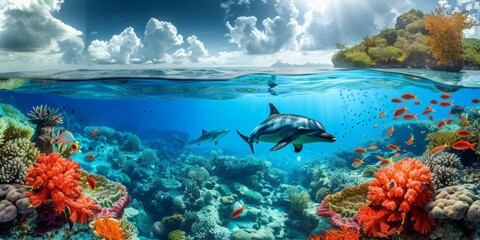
{"x": 59, "y": 178}
{"x": 343, "y": 233}
{"x": 398, "y": 194}
{"x": 107, "y": 228}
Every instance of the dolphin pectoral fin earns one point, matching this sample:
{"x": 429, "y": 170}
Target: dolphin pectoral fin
{"x": 298, "y": 147}
{"x": 245, "y": 138}
{"x": 282, "y": 143}
{"x": 216, "y": 142}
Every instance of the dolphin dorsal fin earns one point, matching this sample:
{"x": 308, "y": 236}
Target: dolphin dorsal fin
{"x": 204, "y": 131}
{"x": 273, "y": 110}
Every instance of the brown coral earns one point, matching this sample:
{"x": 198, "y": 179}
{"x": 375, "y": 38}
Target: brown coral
{"x": 348, "y": 201}
{"x": 440, "y": 138}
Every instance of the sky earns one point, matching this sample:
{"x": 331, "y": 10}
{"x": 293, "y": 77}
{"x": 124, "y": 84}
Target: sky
{"x": 49, "y": 34}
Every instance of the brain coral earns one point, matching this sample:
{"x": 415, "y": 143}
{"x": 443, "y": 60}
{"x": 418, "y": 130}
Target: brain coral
{"x": 456, "y": 202}
{"x": 13, "y": 202}
{"x": 445, "y": 167}
{"x": 397, "y": 195}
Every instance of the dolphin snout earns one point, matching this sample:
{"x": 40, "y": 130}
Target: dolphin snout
{"x": 328, "y": 137}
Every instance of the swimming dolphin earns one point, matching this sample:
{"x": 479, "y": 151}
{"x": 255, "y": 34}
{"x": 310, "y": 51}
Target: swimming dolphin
{"x": 283, "y": 129}
{"x": 214, "y": 136}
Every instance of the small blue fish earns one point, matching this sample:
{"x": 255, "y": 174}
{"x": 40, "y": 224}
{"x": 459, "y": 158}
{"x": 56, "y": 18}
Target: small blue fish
{"x": 63, "y": 136}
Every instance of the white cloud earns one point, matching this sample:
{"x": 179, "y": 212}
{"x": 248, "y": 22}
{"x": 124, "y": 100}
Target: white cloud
{"x": 28, "y": 26}
{"x": 160, "y": 36}
{"x": 72, "y": 49}
{"x": 346, "y": 21}
{"x": 123, "y": 48}
{"x": 278, "y": 33}
{"x": 194, "y": 53}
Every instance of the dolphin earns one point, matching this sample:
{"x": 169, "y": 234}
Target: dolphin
{"x": 283, "y": 129}
{"x": 206, "y": 136}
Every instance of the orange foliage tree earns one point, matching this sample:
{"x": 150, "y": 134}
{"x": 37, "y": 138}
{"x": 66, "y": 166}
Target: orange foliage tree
{"x": 444, "y": 39}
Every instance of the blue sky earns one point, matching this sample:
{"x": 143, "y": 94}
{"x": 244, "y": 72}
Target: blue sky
{"x": 105, "y": 33}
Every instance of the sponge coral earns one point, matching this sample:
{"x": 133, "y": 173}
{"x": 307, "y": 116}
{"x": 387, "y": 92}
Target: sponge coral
{"x": 107, "y": 228}
{"x": 445, "y": 167}
{"x": 56, "y": 179}
{"x": 398, "y": 194}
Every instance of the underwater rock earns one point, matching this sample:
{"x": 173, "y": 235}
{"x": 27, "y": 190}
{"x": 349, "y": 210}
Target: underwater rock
{"x": 264, "y": 234}
{"x": 241, "y": 235}
{"x": 227, "y": 200}
{"x": 177, "y": 204}
{"x": 159, "y": 230}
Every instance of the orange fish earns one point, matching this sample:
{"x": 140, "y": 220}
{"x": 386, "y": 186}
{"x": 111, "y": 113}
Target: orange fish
{"x": 409, "y": 116}
{"x": 463, "y": 145}
{"x": 390, "y": 131}
{"x": 445, "y": 96}
{"x": 372, "y": 147}
{"x": 238, "y": 211}
{"x": 375, "y": 125}
{"x": 428, "y": 110}
{"x": 396, "y": 155}
{"x": 438, "y": 149}
{"x": 94, "y": 132}
{"x": 433, "y": 101}
{"x": 385, "y": 162}
{"x": 393, "y": 147}
{"x": 360, "y": 150}
{"x": 408, "y": 96}
{"x": 446, "y": 104}
{"x": 35, "y": 203}
{"x": 91, "y": 156}
{"x": 37, "y": 184}
{"x": 410, "y": 141}
{"x": 465, "y": 122}
{"x": 449, "y": 121}
{"x": 417, "y": 103}
{"x": 382, "y": 114}
{"x": 441, "y": 124}
{"x": 475, "y": 100}
{"x": 91, "y": 183}
{"x": 431, "y": 118}
{"x": 399, "y": 111}
{"x": 75, "y": 146}
{"x": 396, "y": 100}
{"x": 464, "y": 133}
{"x": 358, "y": 162}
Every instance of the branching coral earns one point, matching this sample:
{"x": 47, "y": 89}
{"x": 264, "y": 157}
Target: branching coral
{"x": 344, "y": 233}
{"x": 55, "y": 180}
{"x": 298, "y": 199}
{"x": 446, "y": 168}
{"x": 398, "y": 194}
{"x": 15, "y": 157}
{"x": 107, "y": 228}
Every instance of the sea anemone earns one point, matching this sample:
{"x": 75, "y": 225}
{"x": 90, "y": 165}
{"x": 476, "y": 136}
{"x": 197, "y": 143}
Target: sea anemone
{"x": 45, "y": 116}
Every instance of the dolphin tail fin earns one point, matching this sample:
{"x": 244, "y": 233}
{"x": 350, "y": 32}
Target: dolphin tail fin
{"x": 245, "y": 138}
{"x": 180, "y": 141}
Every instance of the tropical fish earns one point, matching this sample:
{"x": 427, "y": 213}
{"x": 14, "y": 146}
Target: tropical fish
{"x": 410, "y": 141}
{"x": 463, "y": 145}
{"x": 360, "y": 150}
{"x": 358, "y": 162}
{"x": 449, "y": 121}
{"x": 94, "y": 132}
{"x": 384, "y": 162}
{"x": 36, "y": 185}
{"x": 91, "y": 156}
{"x": 446, "y": 104}
{"x": 63, "y": 136}
{"x": 399, "y": 111}
{"x": 393, "y": 147}
{"x": 431, "y": 118}
{"x": 238, "y": 211}
{"x": 382, "y": 114}
{"x": 396, "y": 100}
{"x": 465, "y": 122}
{"x": 433, "y": 101}
{"x": 464, "y": 133}
{"x": 75, "y": 146}
{"x": 408, "y": 96}
{"x": 417, "y": 103}
{"x": 372, "y": 147}
{"x": 396, "y": 155}
{"x": 35, "y": 204}
{"x": 445, "y": 96}
{"x": 375, "y": 125}
{"x": 428, "y": 110}
{"x": 390, "y": 131}
{"x": 67, "y": 215}
{"x": 409, "y": 116}
{"x": 214, "y": 136}
{"x": 456, "y": 110}
{"x": 475, "y": 100}
{"x": 441, "y": 124}
{"x": 91, "y": 182}
{"x": 287, "y": 128}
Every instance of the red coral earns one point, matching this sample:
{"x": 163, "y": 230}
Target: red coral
{"x": 336, "y": 219}
{"x": 397, "y": 194}
{"x": 59, "y": 178}
{"x": 343, "y": 233}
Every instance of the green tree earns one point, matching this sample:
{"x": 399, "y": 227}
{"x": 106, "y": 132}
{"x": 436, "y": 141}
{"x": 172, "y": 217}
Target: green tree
{"x": 360, "y": 59}
{"x": 386, "y": 54}
{"x": 390, "y": 35}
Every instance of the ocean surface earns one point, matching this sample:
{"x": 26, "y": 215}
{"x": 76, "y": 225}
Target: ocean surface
{"x": 163, "y": 106}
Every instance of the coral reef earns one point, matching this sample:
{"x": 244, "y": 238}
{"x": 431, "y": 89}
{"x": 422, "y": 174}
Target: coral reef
{"x": 109, "y": 228}
{"x": 440, "y": 138}
{"x": 369, "y": 171}
{"x": 456, "y": 202}
{"x": 16, "y": 156}
{"x": 445, "y": 167}
{"x": 336, "y": 219}
{"x": 343, "y": 233}
{"x": 45, "y": 118}
{"x": 55, "y": 180}
{"x": 13, "y": 202}
{"x": 398, "y": 195}
{"x": 10, "y": 111}
{"x": 298, "y": 199}
{"x": 348, "y": 201}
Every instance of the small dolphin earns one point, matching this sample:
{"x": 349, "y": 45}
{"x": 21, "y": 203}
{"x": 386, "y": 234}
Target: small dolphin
{"x": 283, "y": 129}
{"x": 214, "y": 136}
{"x": 457, "y": 110}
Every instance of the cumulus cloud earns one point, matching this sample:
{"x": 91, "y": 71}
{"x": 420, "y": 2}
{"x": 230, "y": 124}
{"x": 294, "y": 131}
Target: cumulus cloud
{"x": 72, "y": 49}
{"x": 123, "y": 48}
{"x": 194, "y": 52}
{"x": 277, "y": 33}
{"x": 347, "y": 21}
{"x": 28, "y": 26}
{"x": 229, "y": 5}
{"x": 160, "y": 36}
